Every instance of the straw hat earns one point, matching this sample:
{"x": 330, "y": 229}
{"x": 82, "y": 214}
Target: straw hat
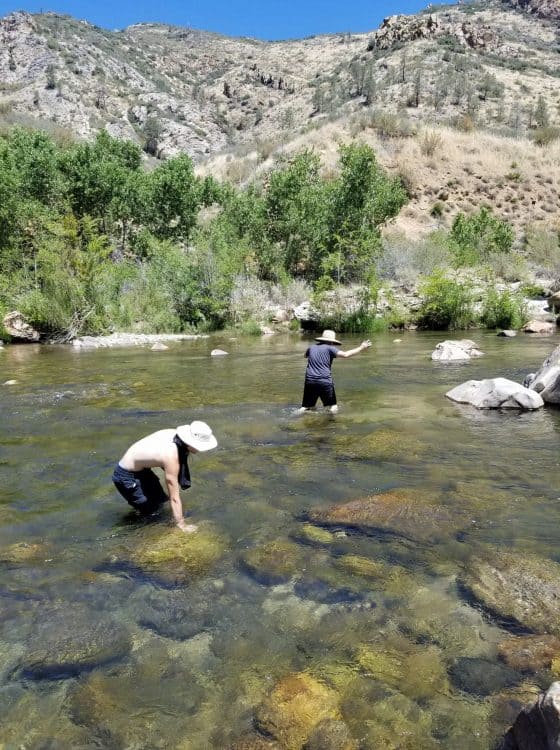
{"x": 329, "y": 337}
{"x": 197, "y": 435}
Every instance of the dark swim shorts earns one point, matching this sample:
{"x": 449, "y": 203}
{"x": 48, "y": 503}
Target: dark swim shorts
{"x": 141, "y": 489}
{"x": 312, "y": 391}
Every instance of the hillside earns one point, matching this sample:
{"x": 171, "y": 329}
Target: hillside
{"x": 182, "y": 90}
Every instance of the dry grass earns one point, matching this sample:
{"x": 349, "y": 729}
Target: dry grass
{"x": 517, "y": 179}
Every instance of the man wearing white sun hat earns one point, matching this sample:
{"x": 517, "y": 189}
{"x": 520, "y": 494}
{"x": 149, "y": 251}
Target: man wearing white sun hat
{"x": 318, "y": 376}
{"x": 167, "y": 449}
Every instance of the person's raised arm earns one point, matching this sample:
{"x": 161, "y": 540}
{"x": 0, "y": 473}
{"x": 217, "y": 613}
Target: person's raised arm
{"x": 351, "y": 352}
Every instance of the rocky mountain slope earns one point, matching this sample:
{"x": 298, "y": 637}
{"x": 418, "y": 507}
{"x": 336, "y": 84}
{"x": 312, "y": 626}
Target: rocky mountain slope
{"x": 178, "y": 89}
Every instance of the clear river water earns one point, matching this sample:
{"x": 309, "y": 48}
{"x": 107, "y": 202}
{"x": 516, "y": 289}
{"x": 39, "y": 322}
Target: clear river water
{"x": 99, "y": 650}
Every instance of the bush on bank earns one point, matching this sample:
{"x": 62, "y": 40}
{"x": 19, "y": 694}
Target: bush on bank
{"x": 91, "y": 242}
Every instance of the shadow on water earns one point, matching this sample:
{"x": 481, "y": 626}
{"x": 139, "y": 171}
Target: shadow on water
{"x": 373, "y": 615}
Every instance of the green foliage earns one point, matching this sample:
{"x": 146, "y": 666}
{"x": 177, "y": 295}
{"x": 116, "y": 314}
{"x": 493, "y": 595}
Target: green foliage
{"x": 447, "y": 304}
{"x": 503, "y": 310}
{"x": 475, "y": 237}
{"x": 90, "y": 241}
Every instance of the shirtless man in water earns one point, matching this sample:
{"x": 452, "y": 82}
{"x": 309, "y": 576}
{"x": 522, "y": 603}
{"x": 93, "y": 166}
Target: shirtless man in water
{"x": 167, "y": 449}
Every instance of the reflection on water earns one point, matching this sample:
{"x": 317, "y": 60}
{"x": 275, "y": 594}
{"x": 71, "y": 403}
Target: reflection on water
{"x": 115, "y": 634}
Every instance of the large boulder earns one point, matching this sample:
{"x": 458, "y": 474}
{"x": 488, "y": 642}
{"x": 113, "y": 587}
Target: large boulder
{"x": 18, "y": 328}
{"x": 519, "y": 587}
{"x": 455, "y": 351}
{"x": 495, "y": 393}
{"x": 538, "y": 726}
{"x": 546, "y": 382}
{"x": 411, "y": 514}
{"x": 539, "y": 326}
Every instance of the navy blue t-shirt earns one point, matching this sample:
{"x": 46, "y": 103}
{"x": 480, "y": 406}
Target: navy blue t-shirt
{"x": 319, "y": 361}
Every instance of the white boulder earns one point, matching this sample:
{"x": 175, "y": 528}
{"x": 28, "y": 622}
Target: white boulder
{"x": 546, "y": 382}
{"x": 495, "y": 393}
{"x": 455, "y": 351}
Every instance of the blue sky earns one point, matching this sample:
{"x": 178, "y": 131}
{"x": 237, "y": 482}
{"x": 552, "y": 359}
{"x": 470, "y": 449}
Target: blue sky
{"x": 270, "y": 19}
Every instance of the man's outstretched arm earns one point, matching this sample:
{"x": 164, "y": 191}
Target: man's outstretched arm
{"x": 351, "y": 352}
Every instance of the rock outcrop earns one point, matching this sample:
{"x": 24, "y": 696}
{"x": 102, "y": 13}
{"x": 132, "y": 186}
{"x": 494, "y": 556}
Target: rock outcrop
{"x": 401, "y": 29}
{"x": 543, "y": 8}
{"x": 538, "y": 726}
{"x": 495, "y": 393}
{"x": 546, "y": 382}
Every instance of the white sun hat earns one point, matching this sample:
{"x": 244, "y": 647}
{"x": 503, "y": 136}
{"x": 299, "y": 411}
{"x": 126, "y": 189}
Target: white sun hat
{"x": 328, "y": 337}
{"x": 197, "y": 435}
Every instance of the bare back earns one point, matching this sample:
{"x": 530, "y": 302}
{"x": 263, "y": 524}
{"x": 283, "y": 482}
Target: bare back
{"x": 157, "y": 449}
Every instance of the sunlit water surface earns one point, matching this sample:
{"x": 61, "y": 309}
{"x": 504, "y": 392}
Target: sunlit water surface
{"x": 194, "y": 681}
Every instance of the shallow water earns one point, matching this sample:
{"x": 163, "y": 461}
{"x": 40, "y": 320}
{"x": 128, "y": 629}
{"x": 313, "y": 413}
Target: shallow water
{"x": 199, "y": 655}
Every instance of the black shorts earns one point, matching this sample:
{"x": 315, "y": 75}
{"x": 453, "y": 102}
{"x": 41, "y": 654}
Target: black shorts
{"x": 141, "y": 489}
{"x": 313, "y": 391}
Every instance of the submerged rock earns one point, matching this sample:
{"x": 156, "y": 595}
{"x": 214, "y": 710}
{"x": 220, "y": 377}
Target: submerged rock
{"x": 393, "y": 580}
{"x": 176, "y": 557}
{"x": 175, "y": 614}
{"x": 25, "y": 552}
{"x": 295, "y": 706}
{"x": 516, "y": 586}
{"x": 495, "y": 393}
{"x": 313, "y": 535}
{"x": 408, "y": 513}
{"x": 546, "y": 382}
{"x": 456, "y": 351}
{"x": 66, "y": 642}
{"x": 416, "y": 671}
{"x": 331, "y": 735}
{"x": 273, "y": 562}
{"x": 395, "y": 723}
{"x": 253, "y": 742}
{"x": 382, "y": 444}
{"x": 481, "y": 677}
{"x": 530, "y": 653}
{"x": 218, "y": 353}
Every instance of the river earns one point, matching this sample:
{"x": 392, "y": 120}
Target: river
{"x": 191, "y": 662}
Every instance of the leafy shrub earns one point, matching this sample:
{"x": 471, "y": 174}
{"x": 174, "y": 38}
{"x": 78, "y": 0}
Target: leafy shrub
{"x": 430, "y": 142}
{"x": 546, "y": 134}
{"x": 403, "y": 260}
{"x": 503, "y": 310}
{"x": 447, "y": 304}
{"x": 475, "y": 237}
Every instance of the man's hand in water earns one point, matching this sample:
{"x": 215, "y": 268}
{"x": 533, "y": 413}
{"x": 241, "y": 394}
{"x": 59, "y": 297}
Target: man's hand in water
{"x": 365, "y": 344}
{"x": 188, "y": 528}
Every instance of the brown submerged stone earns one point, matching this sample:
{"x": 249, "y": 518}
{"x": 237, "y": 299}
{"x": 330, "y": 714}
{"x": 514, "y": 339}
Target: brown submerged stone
{"x": 517, "y": 586}
{"x": 408, "y": 513}
{"x": 529, "y": 653}
{"x": 294, "y": 708}
{"x": 253, "y": 742}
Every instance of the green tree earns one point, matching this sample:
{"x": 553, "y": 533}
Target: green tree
{"x": 174, "y": 196}
{"x": 542, "y": 118}
{"x": 475, "y": 237}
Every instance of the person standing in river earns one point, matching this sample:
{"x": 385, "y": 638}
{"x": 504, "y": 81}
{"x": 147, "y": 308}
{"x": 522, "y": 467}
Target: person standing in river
{"x": 318, "y": 375}
{"x": 169, "y": 450}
